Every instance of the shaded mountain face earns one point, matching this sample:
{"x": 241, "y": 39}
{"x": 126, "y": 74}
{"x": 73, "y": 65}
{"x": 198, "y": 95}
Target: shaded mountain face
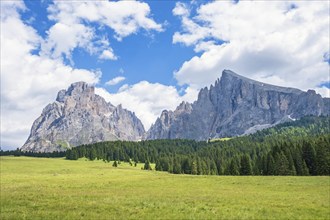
{"x": 236, "y": 105}
{"x": 79, "y": 116}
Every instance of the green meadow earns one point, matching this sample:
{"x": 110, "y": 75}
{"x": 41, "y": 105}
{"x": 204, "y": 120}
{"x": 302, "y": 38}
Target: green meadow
{"x": 42, "y": 188}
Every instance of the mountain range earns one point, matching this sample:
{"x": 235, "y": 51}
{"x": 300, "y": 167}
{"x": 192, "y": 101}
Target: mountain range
{"x": 233, "y": 106}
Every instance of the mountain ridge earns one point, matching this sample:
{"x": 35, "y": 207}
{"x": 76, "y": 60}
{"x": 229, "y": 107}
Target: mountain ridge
{"x": 235, "y": 104}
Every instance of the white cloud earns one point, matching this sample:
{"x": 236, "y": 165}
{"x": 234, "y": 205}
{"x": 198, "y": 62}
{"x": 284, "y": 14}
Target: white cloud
{"x": 267, "y": 41}
{"x": 63, "y": 38}
{"x": 108, "y": 55}
{"x": 148, "y": 100}
{"x": 28, "y": 82}
{"x": 76, "y": 22}
{"x": 180, "y": 9}
{"x": 115, "y": 80}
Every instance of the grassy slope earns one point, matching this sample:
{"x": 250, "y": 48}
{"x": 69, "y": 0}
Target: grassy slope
{"x": 39, "y": 188}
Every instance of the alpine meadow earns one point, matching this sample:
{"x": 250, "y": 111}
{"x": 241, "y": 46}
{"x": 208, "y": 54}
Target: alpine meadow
{"x": 143, "y": 109}
{"x": 40, "y": 188}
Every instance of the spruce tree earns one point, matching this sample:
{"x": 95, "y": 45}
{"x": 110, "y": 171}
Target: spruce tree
{"x": 281, "y": 165}
{"x": 92, "y": 154}
{"x": 298, "y": 161}
{"x": 246, "y": 168}
{"x": 322, "y": 161}
{"x": 213, "y": 168}
{"x": 147, "y": 165}
{"x": 176, "y": 166}
{"x": 234, "y": 167}
{"x": 308, "y": 153}
{"x": 270, "y": 164}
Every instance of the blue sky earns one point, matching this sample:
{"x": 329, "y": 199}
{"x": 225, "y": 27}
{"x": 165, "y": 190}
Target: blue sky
{"x": 145, "y": 55}
{"x": 152, "y": 55}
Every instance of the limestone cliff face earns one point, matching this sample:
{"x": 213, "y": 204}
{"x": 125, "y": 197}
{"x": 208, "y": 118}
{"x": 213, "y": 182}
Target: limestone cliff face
{"x": 79, "y": 116}
{"x": 236, "y": 105}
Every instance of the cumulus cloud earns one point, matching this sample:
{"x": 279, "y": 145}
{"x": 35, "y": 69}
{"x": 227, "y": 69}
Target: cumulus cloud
{"x": 148, "y": 100}
{"x": 108, "y": 55}
{"x": 28, "y": 82}
{"x": 73, "y": 26}
{"x": 273, "y": 42}
{"x": 180, "y": 9}
{"x": 115, "y": 80}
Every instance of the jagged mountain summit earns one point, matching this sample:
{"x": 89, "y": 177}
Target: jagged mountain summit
{"x": 79, "y": 116}
{"x": 234, "y": 106}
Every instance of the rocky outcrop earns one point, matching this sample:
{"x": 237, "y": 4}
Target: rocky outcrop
{"x": 79, "y": 116}
{"x": 236, "y": 105}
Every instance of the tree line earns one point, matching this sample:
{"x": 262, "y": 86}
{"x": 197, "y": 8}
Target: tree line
{"x": 300, "y": 147}
{"x": 18, "y": 153}
{"x": 293, "y": 148}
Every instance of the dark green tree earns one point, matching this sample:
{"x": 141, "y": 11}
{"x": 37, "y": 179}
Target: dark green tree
{"x": 92, "y": 154}
{"x": 213, "y": 168}
{"x": 281, "y": 165}
{"x": 147, "y": 165}
{"x": 308, "y": 154}
{"x": 176, "y": 166}
{"x": 322, "y": 160}
{"x": 270, "y": 165}
{"x": 233, "y": 168}
{"x": 246, "y": 168}
{"x": 186, "y": 166}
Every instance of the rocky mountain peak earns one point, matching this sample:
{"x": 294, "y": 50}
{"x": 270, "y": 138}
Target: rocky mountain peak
{"x": 79, "y": 116}
{"x": 78, "y": 89}
{"x": 184, "y": 107}
{"x": 234, "y": 105}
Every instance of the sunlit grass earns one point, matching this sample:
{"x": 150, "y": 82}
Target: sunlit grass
{"x": 37, "y": 188}
{"x": 220, "y": 139}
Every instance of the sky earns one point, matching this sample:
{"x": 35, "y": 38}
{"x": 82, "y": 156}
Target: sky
{"x": 152, "y": 55}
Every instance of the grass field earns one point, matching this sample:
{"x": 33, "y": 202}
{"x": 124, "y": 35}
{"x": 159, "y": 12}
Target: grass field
{"x": 39, "y": 188}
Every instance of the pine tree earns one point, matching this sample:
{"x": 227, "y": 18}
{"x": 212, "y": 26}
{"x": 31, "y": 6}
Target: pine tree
{"x": 298, "y": 161}
{"x": 213, "y": 168}
{"x": 281, "y": 165}
{"x": 270, "y": 164}
{"x": 292, "y": 169}
{"x": 308, "y": 153}
{"x": 246, "y": 168}
{"x": 205, "y": 168}
{"x": 186, "y": 167}
{"x": 176, "y": 166}
{"x": 147, "y": 165}
{"x": 158, "y": 166}
{"x": 234, "y": 167}
{"x": 92, "y": 154}
{"x": 219, "y": 167}
{"x": 322, "y": 161}
{"x": 305, "y": 171}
